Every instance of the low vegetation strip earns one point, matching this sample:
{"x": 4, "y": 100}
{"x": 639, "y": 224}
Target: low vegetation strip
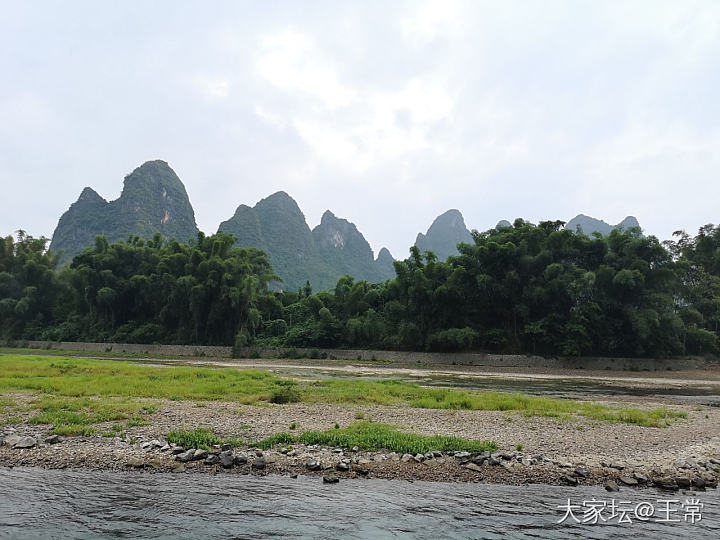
{"x": 374, "y": 436}
{"x": 76, "y": 377}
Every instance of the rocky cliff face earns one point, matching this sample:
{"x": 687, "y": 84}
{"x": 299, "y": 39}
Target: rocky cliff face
{"x": 153, "y": 200}
{"x": 446, "y": 232}
{"x": 333, "y": 249}
{"x": 589, "y": 225}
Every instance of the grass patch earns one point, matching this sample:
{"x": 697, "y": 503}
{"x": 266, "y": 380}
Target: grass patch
{"x": 374, "y": 436}
{"x": 196, "y": 438}
{"x": 78, "y": 377}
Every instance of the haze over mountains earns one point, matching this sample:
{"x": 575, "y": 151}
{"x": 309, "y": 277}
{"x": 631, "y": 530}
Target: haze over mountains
{"x": 154, "y": 200}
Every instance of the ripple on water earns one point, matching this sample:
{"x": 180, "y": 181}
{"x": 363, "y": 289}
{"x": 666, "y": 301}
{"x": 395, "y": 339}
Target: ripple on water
{"x": 35, "y": 503}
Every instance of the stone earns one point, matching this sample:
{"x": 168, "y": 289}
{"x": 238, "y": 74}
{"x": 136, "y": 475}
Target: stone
{"x": 355, "y": 449}
{"x": 199, "y": 454}
{"x": 212, "y": 459}
{"x": 473, "y": 467}
{"x": 628, "y": 481}
{"x": 492, "y": 460}
{"x": 699, "y": 483}
{"x": 240, "y": 459}
{"x": 580, "y": 471}
{"x": 330, "y": 479}
{"x": 226, "y": 459}
{"x": 683, "y": 482}
{"x": 258, "y": 464}
{"x": 178, "y": 469}
{"x": 177, "y": 450}
{"x": 429, "y": 455}
{"x": 711, "y": 483}
{"x": 166, "y": 448}
{"x": 156, "y": 444}
{"x": 419, "y": 458}
{"x": 25, "y": 442}
{"x": 462, "y": 455}
{"x": 135, "y": 463}
{"x": 342, "y": 466}
{"x": 666, "y": 483}
{"x": 225, "y": 447}
{"x": 52, "y": 439}
{"x": 570, "y": 480}
{"x": 611, "y": 486}
{"x": 313, "y": 465}
{"x": 641, "y": 478}
{"x": 184, "y": 457}
{"x": 406, "y": 457}
{"x": 714, "y": 461}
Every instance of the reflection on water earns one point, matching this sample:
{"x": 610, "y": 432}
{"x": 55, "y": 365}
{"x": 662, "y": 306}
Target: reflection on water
{"x": 80, "y": 504}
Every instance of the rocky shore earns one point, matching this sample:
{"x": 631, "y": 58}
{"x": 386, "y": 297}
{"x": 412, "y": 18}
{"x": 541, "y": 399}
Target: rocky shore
{"x": 685, "y": 455}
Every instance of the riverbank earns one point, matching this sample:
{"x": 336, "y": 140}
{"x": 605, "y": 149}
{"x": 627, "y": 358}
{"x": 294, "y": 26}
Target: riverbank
{"x": 539, "y": 441}
{"x": 530, "y": 449}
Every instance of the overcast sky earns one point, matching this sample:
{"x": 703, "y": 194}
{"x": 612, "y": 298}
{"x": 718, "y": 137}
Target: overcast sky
{"x": 388, "y": 113}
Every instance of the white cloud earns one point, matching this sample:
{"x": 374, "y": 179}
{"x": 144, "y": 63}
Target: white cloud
{"x": 292, "y": 62}
{"x": 431, "y": 19}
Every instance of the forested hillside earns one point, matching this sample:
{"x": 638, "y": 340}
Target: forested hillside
{"x": 525, "y": 288}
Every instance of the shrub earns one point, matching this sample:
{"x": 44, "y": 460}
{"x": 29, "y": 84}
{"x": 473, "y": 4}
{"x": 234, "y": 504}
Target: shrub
{"x": 286, "y": 393}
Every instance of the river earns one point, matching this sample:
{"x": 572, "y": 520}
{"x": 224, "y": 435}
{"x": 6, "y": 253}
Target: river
{"x": 36, "y": 503}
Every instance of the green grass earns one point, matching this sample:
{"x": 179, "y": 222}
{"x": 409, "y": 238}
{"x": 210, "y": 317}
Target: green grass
{"x": 77, "y": 377}
{"x": 371, "y": 436}
{"x": 73, "y": 416}
{"x": 196, "y": 438}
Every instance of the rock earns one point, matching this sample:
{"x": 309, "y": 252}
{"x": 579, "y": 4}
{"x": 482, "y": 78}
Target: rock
{"x": 419, "y": 458}
{"x": 683, "y": 482}
{"x": 711, "y": 483}
{"x": 313, "y": 465}
{"x": 699, "y": 483}
{"x": 146, "y": 446}
{"x": 473, "y": 467}
{"x": 156, "y": 444}
{"x": 570, "y": 480}
{"x": 406, "y": 457}
{"x": 714, "y": 461}
{"x": 462, "y": 455}
{"x": 177, "y": 450}
{"x": 580, "y": 471}
{"x": 166, "y": 448}
{"x": 342, "y": 466}
{"x": 135, "y": 463}
{"x": 330, "y": 479}
{"x": 437, "y": 454}
{"x": 25, "y": 442}
{"x": 212, "y": 459}
{"x": 258, "y": 453}
{"x": 52, "y": 439}
{"x": 225, "y": 447}
{"x": 178, "y": 469}
{"x": 184, "y": 457}
{"x": 226, "y": 459}
{"x": 429, "y": 455}
{"x": 492, "y": 460}
{"x": 258, "y": 463}
{"x": 240, "y": 459}
{"x": 628, "y": 481}
{"x": 199, "y": 454}
{"x": 611, "y": 486}
{"x": 355, "y": 449}
{"x": 641, "y": 478}
{"x": 666, "y": 483}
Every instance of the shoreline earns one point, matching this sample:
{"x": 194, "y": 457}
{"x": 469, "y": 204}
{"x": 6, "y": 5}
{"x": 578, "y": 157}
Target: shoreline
{"x": 685, "y": 455}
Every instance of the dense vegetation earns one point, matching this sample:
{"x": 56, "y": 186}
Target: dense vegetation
{"x": 525, "y": 288}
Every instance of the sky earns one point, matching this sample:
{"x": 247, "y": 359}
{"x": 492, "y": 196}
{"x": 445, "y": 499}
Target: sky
{"x": 386, "y": 112}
